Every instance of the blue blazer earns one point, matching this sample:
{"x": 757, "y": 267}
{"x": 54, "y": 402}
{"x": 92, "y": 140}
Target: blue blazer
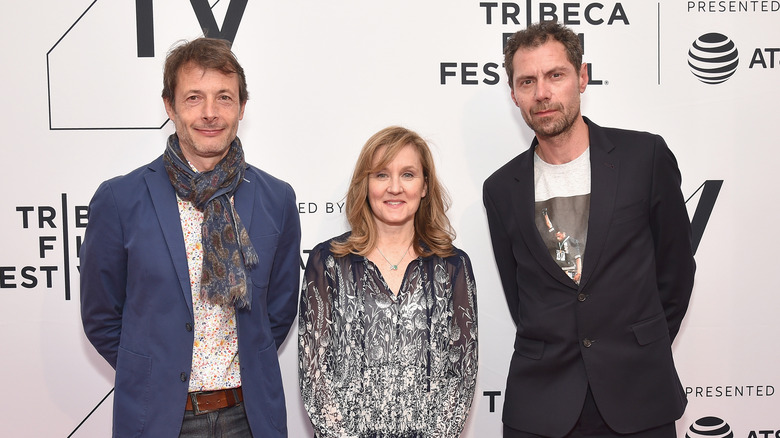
{"x": 614, "y": 330}
{"x": 136, "y": 303}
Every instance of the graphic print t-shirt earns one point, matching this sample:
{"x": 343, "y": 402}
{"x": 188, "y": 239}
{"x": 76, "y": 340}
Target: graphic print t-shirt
{"x": 562, "y": 204}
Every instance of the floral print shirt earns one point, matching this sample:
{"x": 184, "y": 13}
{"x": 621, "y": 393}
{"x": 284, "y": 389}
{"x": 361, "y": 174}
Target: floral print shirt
{"x": 376, "y": 365}
{"x": 215, "y": 347}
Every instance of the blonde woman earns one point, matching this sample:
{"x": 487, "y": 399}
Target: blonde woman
{"x": 388, "y": 318}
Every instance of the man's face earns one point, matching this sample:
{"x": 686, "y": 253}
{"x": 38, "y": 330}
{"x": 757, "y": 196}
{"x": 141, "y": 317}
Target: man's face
{"x": 206, "y": 114}
{"x": 546, "y": 87}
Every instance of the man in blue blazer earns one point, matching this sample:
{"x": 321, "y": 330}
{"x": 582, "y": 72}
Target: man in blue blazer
{"x": 190, "y": 268}
{"x": 592, "y": 241}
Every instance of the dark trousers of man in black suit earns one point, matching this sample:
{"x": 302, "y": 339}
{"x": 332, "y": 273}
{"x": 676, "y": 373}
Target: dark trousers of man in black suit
{"x": 591, "y": 425}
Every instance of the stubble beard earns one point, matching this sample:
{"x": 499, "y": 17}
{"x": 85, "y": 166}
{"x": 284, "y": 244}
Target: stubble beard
{"x": 552, "y": 127}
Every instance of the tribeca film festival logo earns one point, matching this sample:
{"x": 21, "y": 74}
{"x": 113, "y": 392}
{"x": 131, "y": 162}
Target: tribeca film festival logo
{"x": 510, "y": 13}
{"x": 714, "y": 427}
{"x": 55, "y": 233}
{"x": 714, "y": 58}
{"x": 60, "y": 230}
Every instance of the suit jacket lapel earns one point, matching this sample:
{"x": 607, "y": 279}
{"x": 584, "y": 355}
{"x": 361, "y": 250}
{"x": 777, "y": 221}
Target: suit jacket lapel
{"x": 604, "y": 170}
{"x": 525, "y": 210}
{"x": 165, "y": 206}
{"x": 244, "y": 203}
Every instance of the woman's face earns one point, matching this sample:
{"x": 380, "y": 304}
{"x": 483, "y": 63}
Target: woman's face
{"x": 395, "y": 191}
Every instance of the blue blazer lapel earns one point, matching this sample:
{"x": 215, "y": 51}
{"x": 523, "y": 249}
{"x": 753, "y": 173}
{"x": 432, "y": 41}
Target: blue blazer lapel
{"x": 165, "y": 206}
{"x": 244, "y": 203}
{"x": 244, "y": 200}
{"x": 604, "y": 170}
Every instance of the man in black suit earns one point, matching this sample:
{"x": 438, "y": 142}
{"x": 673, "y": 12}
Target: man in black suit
{"x": 593, "y": 350}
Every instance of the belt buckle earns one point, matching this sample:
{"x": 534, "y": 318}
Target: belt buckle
{"x": 195, "y": 407}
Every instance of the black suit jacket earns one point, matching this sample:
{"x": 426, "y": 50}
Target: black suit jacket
{"x": 615, "y": 329}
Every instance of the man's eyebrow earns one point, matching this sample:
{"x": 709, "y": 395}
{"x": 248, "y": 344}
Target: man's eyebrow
{"x": 554, "y": 69}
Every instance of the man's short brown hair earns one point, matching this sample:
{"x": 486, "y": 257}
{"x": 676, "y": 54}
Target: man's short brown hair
{"x": 537, "y": 34}
{"x": 206, "y": 53}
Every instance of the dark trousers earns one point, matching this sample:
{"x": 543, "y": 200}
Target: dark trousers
{"x": 592, "y": 425}
{"x": 223, "y": 423}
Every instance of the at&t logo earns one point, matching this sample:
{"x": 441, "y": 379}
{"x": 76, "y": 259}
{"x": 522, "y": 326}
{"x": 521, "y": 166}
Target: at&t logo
{"x": 714, "y": 427}
{"x": 709, "y": 427}
{"x": 713, "y": 58}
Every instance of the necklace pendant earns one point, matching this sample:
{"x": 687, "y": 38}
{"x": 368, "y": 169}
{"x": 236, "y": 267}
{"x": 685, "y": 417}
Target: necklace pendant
{"x": 394, "y": 267}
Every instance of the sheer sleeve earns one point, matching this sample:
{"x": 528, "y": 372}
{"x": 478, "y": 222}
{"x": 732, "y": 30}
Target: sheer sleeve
{"x": 458, "y": 381}
{"x": 315, "y": 341}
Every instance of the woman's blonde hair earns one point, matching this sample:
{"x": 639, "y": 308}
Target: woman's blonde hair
{"x": 431, "y": 225}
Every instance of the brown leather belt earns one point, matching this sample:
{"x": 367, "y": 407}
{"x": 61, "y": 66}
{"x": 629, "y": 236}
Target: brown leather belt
{"x": 207, "y": 401}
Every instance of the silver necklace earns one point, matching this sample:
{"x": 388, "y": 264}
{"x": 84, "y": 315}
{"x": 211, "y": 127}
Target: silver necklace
{"x": 394, "y": 267}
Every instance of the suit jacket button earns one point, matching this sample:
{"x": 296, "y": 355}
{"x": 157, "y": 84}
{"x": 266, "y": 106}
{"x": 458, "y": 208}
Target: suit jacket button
{"x": 183, "y": 377}
{"x": 188, "y": 326}
{"x": 582, "y": 297}
{"x": 587, "y": 343}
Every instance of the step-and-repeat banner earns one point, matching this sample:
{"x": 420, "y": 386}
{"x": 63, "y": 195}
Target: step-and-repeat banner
{"x": 81, "y": 82}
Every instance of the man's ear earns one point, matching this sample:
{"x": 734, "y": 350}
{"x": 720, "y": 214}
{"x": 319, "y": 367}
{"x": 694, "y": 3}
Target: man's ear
{"x": 584, "y": 79}
{"x": 169, "y": 108}
{"x": 241, "y": 113}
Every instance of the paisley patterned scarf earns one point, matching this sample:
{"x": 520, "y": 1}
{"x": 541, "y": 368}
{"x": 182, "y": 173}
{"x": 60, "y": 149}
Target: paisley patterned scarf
{"x": 228, "y": 254}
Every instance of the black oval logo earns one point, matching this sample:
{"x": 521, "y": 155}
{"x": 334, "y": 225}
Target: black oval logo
{"x": 709, "y": 427}
{"x": 713, "y": 58}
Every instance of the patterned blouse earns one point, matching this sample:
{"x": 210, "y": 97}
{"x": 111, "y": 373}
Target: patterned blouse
{"x": 376, "y": 365}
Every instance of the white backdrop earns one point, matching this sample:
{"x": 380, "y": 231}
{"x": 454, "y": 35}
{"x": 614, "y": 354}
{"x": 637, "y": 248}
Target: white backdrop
{"x": 81, "y": 106}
